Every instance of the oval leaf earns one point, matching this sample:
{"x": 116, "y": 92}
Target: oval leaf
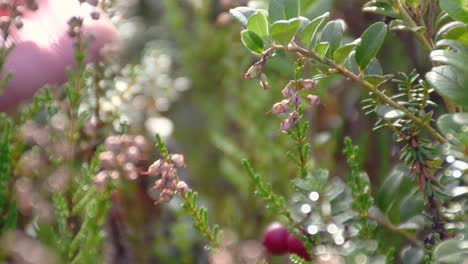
{"x": 450, "y": 251}
{"x": 308, "y": 33}
{"x": 283, "y": 9}
{"x": 371, "y": 41}
{"x": 283, "y": 31}
{"x": 452, "y": 123}
{"x": 459, "y": 34}
{"x": 242, "y": 14}
{"x": 252, "y": 41}
{"x": 379, "y": 7}
{"x": 455, "y": 59}
{"x": 258, "y": 24}
{"x": 340, "y": 54}
{"x": 449, "y": 83}
{"x": 333, "y": 34}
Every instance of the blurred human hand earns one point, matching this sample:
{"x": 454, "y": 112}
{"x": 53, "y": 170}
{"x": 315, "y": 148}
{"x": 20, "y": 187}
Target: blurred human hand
{"x": 43, "y": 48}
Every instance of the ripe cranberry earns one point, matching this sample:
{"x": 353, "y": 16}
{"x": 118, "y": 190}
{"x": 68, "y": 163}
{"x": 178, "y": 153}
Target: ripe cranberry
{"x": 275, "y": 239}
{"x": 296, "y": 246}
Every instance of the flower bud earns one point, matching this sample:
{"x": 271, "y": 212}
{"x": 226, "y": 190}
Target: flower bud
{"x": 313, "y": 99}
{"x": 252, "y": 72}
{"x": 296, "y": 100}
{"x": 155, "y": 169}
{"x": 309, "y": 84}
{"x": 178, "y": 160}
{"x": 95, "y": 15}
{"x": 288, "y": 91}
{"x": 182, "y": 187}
{"x": 107, "y": 159}
{"x": 280, "y": 107}
{"x": 285, "y": 125}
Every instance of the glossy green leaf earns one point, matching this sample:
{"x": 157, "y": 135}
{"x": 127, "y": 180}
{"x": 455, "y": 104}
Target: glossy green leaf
{"x": 400, "y": 25}
{"x": 340, "y": 54}
{"x": 389, "y": 113}
{"x": 380, "y": 7}
{"x": 452, "y": 123}
{"x": 322, "y": 48}
{"x": 283, "y": 9}
{"x": 283, "y": 31}
{"x": 450, "y": 251}
{"x": 309, "y": 32}
{"x": 459, "y": 34}
{"x": 395, "y": 186}
{"x": 450, "y": 83}
{"x": 446, "y": 28}
{"x": 458, "y": 46}
{"x": 333, "y": 34}
{"x": 458, "y": 9}
{"x": 258, "y": 24}
{"x": 455, "y": 59}
{"x": 371, "y": 41}
{"x": 410, "y": 255}
{"x": 378, "y": 80}
{"x": 374, "y": 67}
{"x": 242, "y": 14}
{"x": 252, "y": 41}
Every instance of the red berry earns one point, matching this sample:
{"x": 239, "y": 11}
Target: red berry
{"x": 296, "y": 246}
{"x": 275, "y": 239}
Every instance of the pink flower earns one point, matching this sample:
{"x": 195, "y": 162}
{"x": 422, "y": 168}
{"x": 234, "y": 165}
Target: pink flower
{"x": 43, "y": 48}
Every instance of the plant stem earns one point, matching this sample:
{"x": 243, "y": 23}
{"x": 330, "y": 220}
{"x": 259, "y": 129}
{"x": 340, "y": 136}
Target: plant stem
{"x": 203, "y": 227}
{"x": 293, "y": 47}
{"x": 392, "y": 228}
{"x": 400, "y": 10}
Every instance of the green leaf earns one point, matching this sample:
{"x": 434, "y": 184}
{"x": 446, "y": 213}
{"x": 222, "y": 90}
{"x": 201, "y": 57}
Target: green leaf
{"x": 455, "y": 59}
{"x": 389, "y": 113}
{"x": 458, "y": 46}
{"x": 282, "y": 31}
{"x": 450, "y": 251}
{"x": 452, "y": 123}
{"x": 374, "y": 67}
{"x": 380, "y": 7}
{"x": 459, "y": 34}
{"x": 252, "y": 41}
{"x": 458, "y": 9}
{"x": 258, "y": 24}
{"x": 400, "y": 25}
{"x": 283, "y": 9}
{"x": 377, "y": 80}
{"x": 322, "y": 48}
{"x": 333, "y": 34}
{"x": 394, "y": 188}
{"x": 410, "y": 255}
{"x": 371, "y": 40}
{"x": 446, "y": 28}
{"x": 308, "y": 33}
{"x": 450, "y": 83}
{"x": 242, "y": 14}
{"x": 340, "y": 54}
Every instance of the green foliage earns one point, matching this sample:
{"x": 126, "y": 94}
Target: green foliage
{"x": 283, "y": 9}
{"x": 258, "y": 24}
{"x": 252, "y": 41}
{"x": 457, "y": 9}
{"x": 263, "y": 190}
{"x": 371, "y": 41}
{"x": 282, "y": 31}
{"x": 360, "y": 187}
{"x": 200, "y": 218}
